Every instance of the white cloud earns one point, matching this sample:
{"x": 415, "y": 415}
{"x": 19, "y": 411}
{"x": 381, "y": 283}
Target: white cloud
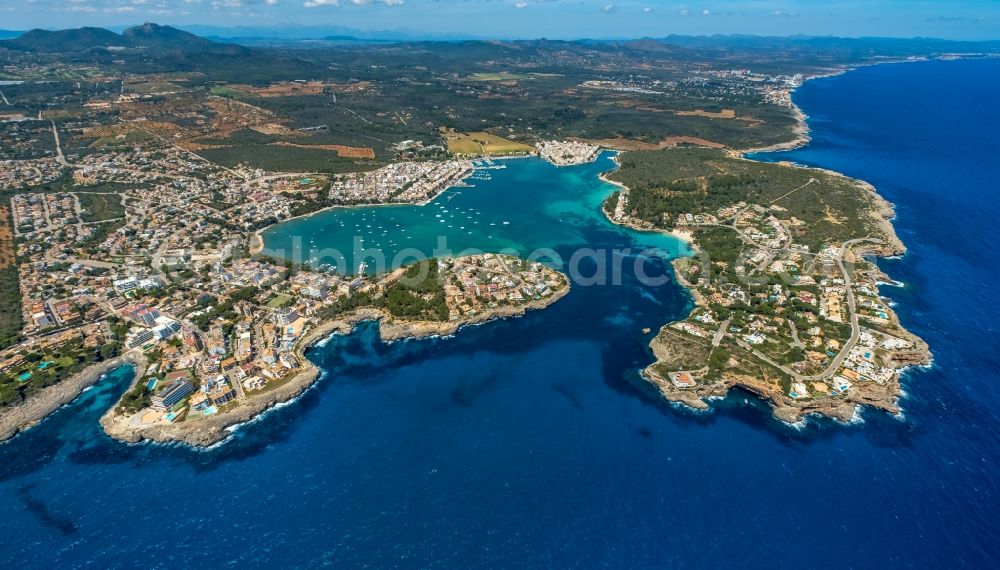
{"x": 338, "y": 3}
{"x": 77, "y": 6}
{"x": 609, "y": 8}
{"x": 684, "y": 12}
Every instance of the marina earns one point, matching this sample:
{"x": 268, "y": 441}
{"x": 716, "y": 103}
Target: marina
{"x": 480, "y": 218}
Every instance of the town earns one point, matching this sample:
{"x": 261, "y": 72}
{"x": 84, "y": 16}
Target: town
{"x": 567, "y": 153}
{"x": 144, "y": 252}
{"x": 207, "y": 359}
{"x": 408, "y": 182}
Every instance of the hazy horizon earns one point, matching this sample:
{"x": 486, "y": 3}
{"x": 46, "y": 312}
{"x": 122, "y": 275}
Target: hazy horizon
{"x": 531, "y": 19}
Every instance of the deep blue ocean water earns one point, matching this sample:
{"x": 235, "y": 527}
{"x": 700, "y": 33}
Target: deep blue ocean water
{"x": 530, "y": 442}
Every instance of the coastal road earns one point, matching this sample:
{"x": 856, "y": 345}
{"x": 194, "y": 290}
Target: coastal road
{"x": 838, "y": 360}
{"x": 851, "y": 303}
{"x": 795, "y": 334}
{"x": 749, "y": 241}
{"x": 851, "y": 307}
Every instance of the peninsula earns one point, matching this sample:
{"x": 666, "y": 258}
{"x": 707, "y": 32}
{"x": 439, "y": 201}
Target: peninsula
{"x": 786, "y": 299}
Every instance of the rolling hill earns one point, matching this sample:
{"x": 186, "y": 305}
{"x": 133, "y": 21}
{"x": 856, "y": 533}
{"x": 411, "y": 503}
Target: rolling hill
{"x": 150, "y": 38}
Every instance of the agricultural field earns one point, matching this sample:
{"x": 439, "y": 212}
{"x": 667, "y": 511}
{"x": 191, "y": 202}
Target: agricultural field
{"x": 282, "y": 89}
{"x": 153, "y": 87}
{"x": 341, "y": 150}
{"x": 124, "y": 133}
{"x": 668, "y": 142}
{"x": 231, "y": 92}
{"x": 6, "y": 238}
{"x": 723, "y": 114}
{"x": 350, "y": 108}
{"x": 284, "y": 158}
{"x": 480, "y": 143}
{"x": 501, "y": 76}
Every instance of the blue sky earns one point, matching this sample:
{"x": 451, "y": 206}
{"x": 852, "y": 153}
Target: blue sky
{"x": 975, "y": 19}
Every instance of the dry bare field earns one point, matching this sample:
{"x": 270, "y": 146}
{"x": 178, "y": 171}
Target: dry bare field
{"x": 723, "y": 114}
{"x": 7, "y": 254}
{"x": 341, "y": 150}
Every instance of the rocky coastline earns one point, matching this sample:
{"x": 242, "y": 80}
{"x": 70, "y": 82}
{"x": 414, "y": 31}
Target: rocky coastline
{"x": 211, "y": 430}
{"x": 883, "y": 396}
{"x": 32, "y": 411}
{"x": 789, "y": 410}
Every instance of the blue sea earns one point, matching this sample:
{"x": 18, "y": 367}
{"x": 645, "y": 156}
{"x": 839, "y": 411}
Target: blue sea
{"x": 531, "y": 442}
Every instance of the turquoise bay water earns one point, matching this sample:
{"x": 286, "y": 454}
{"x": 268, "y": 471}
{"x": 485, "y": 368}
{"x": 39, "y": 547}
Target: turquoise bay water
{"x": 531, "y": 443}
{"x": 527, "y": 206}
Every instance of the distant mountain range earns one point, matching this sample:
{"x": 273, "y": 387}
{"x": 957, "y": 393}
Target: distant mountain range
{"x": 158, "y": 41}
{"x": 151, "y": 38}
{"x": 291, "y": 33}
{"x": 822, "y": 42}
